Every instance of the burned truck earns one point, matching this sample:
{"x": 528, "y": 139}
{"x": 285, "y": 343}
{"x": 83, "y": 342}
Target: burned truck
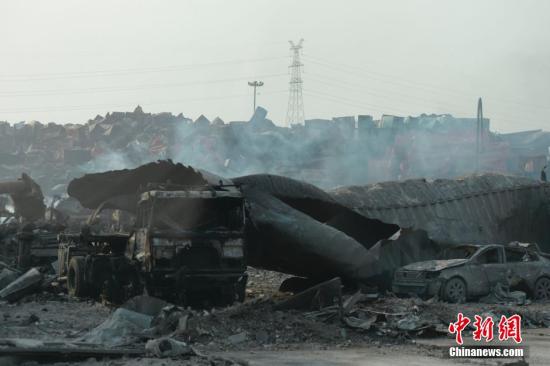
{"x": 27, "y": 238}
{"x": 186, "y": 246}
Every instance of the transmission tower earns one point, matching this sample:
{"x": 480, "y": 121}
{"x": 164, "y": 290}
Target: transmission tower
{"x": 295, "y": 110}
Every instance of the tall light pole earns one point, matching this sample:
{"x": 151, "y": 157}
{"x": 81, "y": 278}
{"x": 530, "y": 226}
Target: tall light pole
{"x": 255, "y": 84}
{"x": 479, "y": 133}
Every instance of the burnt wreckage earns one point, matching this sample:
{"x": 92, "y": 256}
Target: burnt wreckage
{"x": 471, "y": 271}
{"x": 361, "y": 234}
{"x": 186, "y": 245}
{"x": 23, "y": 232}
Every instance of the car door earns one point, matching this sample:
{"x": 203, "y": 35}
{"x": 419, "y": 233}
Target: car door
{"x": 476, "y": 278}
{"x": 495, "y": 267}
{"x": 526, "y": 267}
{"x": 483, "y": 269}
{"x": 477, "y": 282}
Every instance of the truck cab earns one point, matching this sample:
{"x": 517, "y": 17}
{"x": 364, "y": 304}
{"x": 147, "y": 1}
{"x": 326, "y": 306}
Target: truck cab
{"x": 186, "y": 246}
{"x": 191, "y": 240}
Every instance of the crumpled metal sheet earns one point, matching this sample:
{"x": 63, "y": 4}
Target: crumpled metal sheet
{"x": 388, "y": 255}
{"x": 287, "y": 240}
{"x": 317, "y": 205}
{"x": 297, "y": 229}
{"x": 27, "y": 197}
{"x": 480, "y": 209}
{"x": 92, "y": 190}
{"x": 285, "y": 188}
{"x": 302, "y": 196}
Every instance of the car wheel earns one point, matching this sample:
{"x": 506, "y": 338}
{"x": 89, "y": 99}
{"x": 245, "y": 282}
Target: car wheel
{"x": 542, "y": 289}
{"x": 455, "y": 290}
{"x": 76, "y": 287}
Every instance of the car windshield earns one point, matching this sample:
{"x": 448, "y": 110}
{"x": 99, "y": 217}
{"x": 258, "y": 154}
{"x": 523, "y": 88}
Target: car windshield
{"x": 462, "y": 252}
{"x": 197, "y": 214}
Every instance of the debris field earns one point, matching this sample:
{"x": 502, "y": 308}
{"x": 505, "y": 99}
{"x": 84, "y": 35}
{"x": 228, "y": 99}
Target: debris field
{"x": 131, "y": 256}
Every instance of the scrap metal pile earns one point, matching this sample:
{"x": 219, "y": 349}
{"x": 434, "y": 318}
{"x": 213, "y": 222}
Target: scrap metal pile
{"x": 333, "y": 152}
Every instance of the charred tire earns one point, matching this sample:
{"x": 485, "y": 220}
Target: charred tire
{"x": 237, "y": 292}
{"x": 241, "y": 292}
{"x": 121, "y": 284}
{"x": 76, "y": 285}
{"x": 227, "y": 298}
{"x": 454, "y": 290}
{"x": 542, "y": 289}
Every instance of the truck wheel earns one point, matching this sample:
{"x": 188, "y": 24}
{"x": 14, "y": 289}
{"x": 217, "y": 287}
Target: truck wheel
{"x": 241, "y": 292}
{"x": 454, "y": 291}
{"x": 112, "y": 291}
{"x": 542, "y": 289}
{"x": 227, "y": 297}
{"x": 76, "y": 287}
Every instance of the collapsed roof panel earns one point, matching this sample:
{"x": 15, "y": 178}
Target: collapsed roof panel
{"x": 481, "y": 209}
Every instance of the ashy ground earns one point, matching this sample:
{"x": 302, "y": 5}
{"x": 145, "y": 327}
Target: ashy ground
{"x": 255, "y": 333}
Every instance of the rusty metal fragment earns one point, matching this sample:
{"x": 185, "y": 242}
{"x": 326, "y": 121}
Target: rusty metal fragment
{"x": 24, "y": 285}
{"x": 27, "y": 197}
{"x": 31, "y": 349}
{"x": 315, "y": 298}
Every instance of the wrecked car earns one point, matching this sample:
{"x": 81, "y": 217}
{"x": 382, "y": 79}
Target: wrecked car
{"x": 471, "y": 271}
{"x": 187, "y": 246}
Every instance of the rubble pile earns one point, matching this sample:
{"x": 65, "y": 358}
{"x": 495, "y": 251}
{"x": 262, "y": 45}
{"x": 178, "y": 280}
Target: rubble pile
{"x": 360, "y": 319}
{"x": 54, "y": 154}
{"x": 328, "y": 153}
{"x": 173, "y": 244}
{"x": 146, "y": 327}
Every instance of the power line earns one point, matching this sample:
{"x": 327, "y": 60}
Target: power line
{"x": 513, "y": 113}
{"x": 383, "y": 110}
{"x": 400, "y": 81}
{"x": 124, "y": 105}
{"x": 130, "y": 71}
{"x": 353, "y": 103}
{"x": 365, "y": 90}
{"x": 131, "y": 88}
{"x": 511, "y": 118}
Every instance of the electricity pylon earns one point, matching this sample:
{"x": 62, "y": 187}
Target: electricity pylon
{"x": 295, "y": 110}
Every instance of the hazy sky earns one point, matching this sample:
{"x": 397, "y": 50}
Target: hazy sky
{"x": 68, "y": 60}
